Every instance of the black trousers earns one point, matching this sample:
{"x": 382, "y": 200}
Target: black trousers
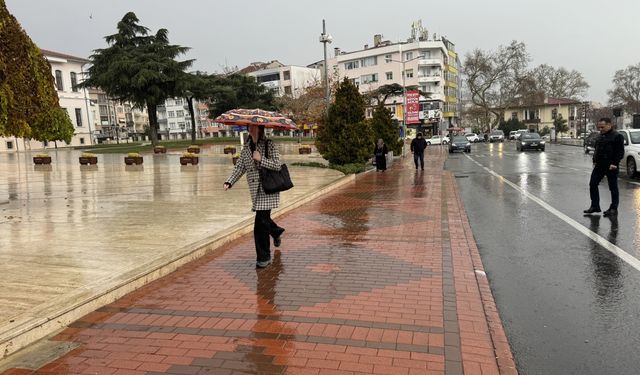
{"x": 598, "y": 173}
{"x": 263, "y": 226}
{"x": 418, "y": 156}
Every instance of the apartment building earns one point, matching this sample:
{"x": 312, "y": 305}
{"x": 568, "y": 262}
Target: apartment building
{"x": 67, "y": 72}
{"x": 283, "y": 79}
{"x": 174, "y": 120}
{"x": 427, "y": 62}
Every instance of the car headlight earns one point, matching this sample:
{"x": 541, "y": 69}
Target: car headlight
{"x": 468, "y": 144}
{"x": 542, "y": 142}
{"x": 522, "y": 143}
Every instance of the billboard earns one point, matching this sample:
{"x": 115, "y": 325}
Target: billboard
{"x": 413, "y": 107}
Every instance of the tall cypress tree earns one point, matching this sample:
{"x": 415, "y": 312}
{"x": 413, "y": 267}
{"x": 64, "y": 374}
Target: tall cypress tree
{"x": 346, "y": 137}
{"x": 384, "y": 127}
{"x": 29, "y": 105}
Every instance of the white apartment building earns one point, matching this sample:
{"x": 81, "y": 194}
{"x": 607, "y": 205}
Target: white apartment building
{"x": 431, "y": 64}
{"x": 174, "y": 120}
{"x": 67, "y": 71}
{"x": 283, "y": 79}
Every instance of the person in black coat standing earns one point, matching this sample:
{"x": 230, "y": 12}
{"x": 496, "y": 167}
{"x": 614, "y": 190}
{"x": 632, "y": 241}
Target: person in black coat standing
{"x": 380, "y": 153}
{"x": 606, "y": 160}
{"x": 417, "y": 147}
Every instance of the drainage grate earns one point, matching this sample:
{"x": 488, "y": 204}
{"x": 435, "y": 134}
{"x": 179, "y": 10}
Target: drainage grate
{"x": 461, "y": 176}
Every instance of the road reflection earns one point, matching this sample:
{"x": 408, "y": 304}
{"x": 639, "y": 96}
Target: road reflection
{"x": 607, "y": 282}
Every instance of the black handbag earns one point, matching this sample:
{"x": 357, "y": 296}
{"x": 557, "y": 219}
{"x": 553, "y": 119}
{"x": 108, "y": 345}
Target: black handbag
{"x": 274, "y": 181}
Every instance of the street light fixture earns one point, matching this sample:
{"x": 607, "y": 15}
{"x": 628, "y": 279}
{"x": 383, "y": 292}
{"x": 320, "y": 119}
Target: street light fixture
{"x": 324, "y": 39}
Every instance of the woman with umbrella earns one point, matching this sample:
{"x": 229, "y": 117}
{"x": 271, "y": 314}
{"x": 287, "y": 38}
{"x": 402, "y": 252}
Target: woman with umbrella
{"x": 258, "y": 152}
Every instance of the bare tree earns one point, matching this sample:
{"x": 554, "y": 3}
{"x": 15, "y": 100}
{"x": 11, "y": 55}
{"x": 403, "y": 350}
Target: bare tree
{"x": 308, "y": 107}
{"x": 626, "y": 89}
{"x": 559, "y": 82}
{"x": 497, "y": 79}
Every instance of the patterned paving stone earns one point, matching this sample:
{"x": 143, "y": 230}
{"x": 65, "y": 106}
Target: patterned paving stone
{"x": 376, "y": 278}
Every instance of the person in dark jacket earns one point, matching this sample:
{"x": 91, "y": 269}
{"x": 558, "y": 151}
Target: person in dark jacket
{"x": 417, "y": 147}
{"x": 380, "y": 153}
{"x": 606, "y": 160}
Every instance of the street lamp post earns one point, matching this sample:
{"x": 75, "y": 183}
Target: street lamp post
{"x": 324, "y": 39}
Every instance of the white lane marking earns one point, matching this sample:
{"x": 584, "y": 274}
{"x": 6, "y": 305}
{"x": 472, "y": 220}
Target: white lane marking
{"x": 632, "y": 261}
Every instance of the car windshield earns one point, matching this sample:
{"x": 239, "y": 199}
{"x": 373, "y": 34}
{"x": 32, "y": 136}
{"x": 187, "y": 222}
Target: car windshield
{"x": 460, "y": 139}
{"x": 469, "y": 135}
{"x": 496, "y": 133}
{"x": 635, "y": 137}
{"x": 531, "y": 136}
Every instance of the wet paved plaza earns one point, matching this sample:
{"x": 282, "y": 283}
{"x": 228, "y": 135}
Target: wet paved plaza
{"x": 69, "y": 232}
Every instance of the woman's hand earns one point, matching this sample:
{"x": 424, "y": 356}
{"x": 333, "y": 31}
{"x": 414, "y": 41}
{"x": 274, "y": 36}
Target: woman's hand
{"x": 226, "y": 186}
{"x": 257, "y": 156}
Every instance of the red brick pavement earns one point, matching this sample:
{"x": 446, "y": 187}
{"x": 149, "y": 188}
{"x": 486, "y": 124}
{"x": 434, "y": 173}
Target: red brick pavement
{"x": 376, "y": 278}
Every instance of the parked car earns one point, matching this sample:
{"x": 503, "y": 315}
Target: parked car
{"x": 512, "y": 135}
{"x": 590, "y": 142}
{"x": 631, "y": 158}
{"x": 519, "y": 133}
{"x": 459, "y": 143}
{"x": 472, "y": 137}
{"x": 437, "y": 140}
{"x": 496, "y": 136}
{"x": 530, "y": 141}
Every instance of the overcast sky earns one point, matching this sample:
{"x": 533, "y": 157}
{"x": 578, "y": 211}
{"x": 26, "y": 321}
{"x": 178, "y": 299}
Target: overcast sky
{"x": 594, "y": 37}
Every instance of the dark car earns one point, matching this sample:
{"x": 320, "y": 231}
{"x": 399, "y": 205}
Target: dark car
{"x": 530, "y": 141}
{"x": 459, "y": 143}
{"x": 590, "y": 142}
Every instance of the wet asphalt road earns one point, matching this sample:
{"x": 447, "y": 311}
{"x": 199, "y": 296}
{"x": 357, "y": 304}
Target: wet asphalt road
{"x": 568, "y": 305}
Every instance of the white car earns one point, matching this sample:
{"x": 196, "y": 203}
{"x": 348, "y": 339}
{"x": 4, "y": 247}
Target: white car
{"x": 631, "y": 158}
{"x": 472, "y": 137}
{"x": 437, "y": 140}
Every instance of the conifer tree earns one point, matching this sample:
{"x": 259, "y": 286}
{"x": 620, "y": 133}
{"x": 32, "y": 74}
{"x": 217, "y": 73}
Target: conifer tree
{"x": 384, "y": 127}
{"x": 29, "y": 105}
{"x": 346, "y": 137}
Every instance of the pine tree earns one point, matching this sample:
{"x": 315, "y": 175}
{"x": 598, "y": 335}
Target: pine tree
{"x": 29, "y": 105}
{"x": 346, "y": 137}
{"x": 138, "y": 68}
{"x": 384, "y": 127}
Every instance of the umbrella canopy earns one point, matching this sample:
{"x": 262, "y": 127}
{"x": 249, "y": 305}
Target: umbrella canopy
{"x": 246, "y": 117}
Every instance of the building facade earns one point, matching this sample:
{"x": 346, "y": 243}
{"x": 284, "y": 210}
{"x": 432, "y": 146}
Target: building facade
{"x": 68, "y": 72}
{"x": 283, "y": 79}
{"x": 542, "y": 115}
{"x": 429, "y": 63}
{"x": 174, "y": 120}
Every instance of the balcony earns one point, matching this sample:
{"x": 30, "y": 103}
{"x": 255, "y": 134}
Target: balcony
{"x": 429, "y": 78}
{"x": 430, "y": 62}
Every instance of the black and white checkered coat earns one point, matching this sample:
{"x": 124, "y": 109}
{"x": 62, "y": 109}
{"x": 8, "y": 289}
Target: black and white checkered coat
{"x": 246, "y": 164}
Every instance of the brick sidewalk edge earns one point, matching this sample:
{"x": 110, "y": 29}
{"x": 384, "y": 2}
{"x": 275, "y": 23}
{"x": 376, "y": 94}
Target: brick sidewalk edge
{"x": 504, "y": 356}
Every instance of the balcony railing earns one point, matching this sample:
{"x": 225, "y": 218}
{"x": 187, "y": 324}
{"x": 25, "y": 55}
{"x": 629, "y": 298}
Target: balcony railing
{"x": 429, "y": 78}
{"x": 430, "y": 62}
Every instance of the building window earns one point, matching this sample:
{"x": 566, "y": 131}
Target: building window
{"x": 180, "y": 113}
{"x": 514, "y": 116}
{"x": 387, "y": 58}
{"x": 352, "y": 65}
{"x": 389, "y": 76}
{"x": 355, "y": 81}
{"x": 81, "y": 141}
{"x": 554, "y": 113}
{"x": 178, "y": 101}
{"x": 408, "y": 73}
{"x": 74, "y": 82}
{"x": 45, "y": 144}
{"x": 171, "y": 114}
{"x": 425, "y": 54}
{"x": 9, "y": 145}
{"x": 286, "y": 75}
{"x": 287, "y": 90}
{"x": 181, "y": 125}
{"x": 78, "y": 116}
{"x": 370, "y": 61}
{"x": 408, "y": 56}
{"x": 268, "y": 78}
{"x": 369, "y": 78}
{"x": 59, "y": 85}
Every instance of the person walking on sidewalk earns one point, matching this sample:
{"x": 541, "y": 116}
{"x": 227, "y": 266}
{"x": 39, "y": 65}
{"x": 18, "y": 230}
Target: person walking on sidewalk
{"x": 250, "y": 161}
{"x": 606, "y": 160}
{"x": 380, "y": 153}
{"x": 417, "y": 147}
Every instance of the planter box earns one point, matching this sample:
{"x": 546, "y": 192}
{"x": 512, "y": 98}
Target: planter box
{"x": 235, "y": 160}
{"x": 137, "y": 160}
{"x": 38, "y": 160}
{"x": 193, "y": 150}
{"x": 304, "y": 150}
{"x": 88, "y": 161}
{"x": 184, "y": 160}
{"x": 159, "y": 150}
{"x": 229, "y": 150}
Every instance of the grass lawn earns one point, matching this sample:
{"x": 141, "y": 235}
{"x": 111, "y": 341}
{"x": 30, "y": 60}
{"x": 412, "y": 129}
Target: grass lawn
{"x": 124, "y": 148}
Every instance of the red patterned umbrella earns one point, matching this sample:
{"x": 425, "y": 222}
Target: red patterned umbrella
{"x": 247, "y": 117}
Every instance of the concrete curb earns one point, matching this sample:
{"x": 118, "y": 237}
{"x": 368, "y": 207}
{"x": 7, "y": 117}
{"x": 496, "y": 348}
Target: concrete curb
{"x": 504, "y": 356}
{"x": 59, "y": 314}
